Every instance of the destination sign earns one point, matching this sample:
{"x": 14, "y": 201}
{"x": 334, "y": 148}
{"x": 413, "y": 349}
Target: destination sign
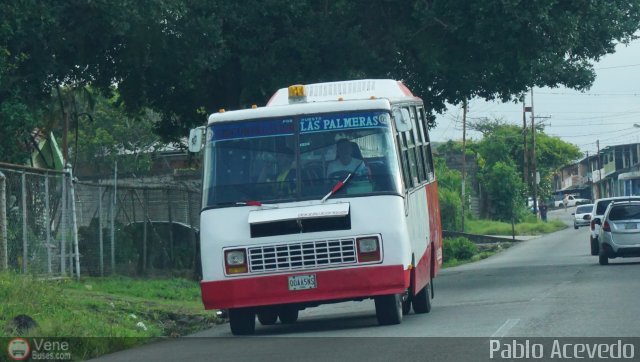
{"x": 332, "y": 122}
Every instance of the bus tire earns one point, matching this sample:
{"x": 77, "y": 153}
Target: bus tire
{"x": 242, "y": 321}
{"x": 422, "y": 301}
{"x": 406, "y": 306}
{"x": 267, "y": 317}
{"x": 389, "y": 309}
{"x": 288, "y": 315}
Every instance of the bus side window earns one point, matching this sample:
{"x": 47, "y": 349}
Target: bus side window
{"x": 404, "y": 159}
{"x": 413, "y": 167}
{"x": 426, "y": 146}
{"x": 417, "y": 134}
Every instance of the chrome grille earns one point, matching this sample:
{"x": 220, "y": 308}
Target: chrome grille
{"x": 302, "y": 255}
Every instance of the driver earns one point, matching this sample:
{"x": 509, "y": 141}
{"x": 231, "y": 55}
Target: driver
{"x": 285, "y": 177}
{"x": 345, "y": 162}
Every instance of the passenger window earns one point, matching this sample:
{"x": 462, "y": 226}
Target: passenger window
{"x": 417, "y": 145}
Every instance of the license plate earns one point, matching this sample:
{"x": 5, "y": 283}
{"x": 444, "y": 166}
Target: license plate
{"x": 631, "y": 226}
{"x": 301, "y": 282}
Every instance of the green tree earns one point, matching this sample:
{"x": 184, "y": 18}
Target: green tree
{"x": 16, "y": 122}
{"x": 108, "y": 133}
{"x": 186, "y": 58}
{"x": 505, "y": 188}
{"x": 503, "y": 143}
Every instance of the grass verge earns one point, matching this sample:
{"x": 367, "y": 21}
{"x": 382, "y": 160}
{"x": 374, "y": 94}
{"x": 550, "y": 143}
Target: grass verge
{"x": 529, "y": 227}
{"x": 478, "y": 252}
{"x": 139, "y": 310}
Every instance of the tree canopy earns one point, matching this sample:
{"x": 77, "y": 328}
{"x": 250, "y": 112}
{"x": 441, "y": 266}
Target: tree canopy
{"x": 501, "y": 151}
{"x": 186, "y": 58}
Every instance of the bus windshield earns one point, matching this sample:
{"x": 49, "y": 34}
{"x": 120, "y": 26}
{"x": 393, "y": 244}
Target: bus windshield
{"x": 299, "y": 158}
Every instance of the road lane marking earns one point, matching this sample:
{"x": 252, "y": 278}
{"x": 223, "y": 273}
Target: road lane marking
{"x": 505, "y": 328}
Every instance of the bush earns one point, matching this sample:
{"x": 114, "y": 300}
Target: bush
{"x": 459, "y": 248}
{"x": 450, "y": 209}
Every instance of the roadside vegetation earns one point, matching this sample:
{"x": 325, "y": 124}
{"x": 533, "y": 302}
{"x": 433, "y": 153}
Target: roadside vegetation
{"x": 460, "y": 250}
{"x": 530, "y": 226}
{"x": 139, "y": 310}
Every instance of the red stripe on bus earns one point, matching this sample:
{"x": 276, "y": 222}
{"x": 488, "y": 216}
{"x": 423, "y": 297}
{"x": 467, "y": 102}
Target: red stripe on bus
{"x": 435, "y": 226}
{"x": 405, "y": 90}
{"x": 334, "y": 284}
{"x": 422, "y": 271}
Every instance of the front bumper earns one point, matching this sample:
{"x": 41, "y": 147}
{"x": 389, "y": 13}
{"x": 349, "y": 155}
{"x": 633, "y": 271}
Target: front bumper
{"x": 332, "y": 285}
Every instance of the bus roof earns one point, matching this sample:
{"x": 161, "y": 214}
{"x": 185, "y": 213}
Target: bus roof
{"x": 325, "y": 97}
{"x": 299, "y": 109}
{"x": 347, "y": 90}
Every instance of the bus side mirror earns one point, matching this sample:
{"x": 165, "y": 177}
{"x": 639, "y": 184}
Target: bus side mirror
{"x": 402, "y": 119}
{"x": 196, "y": 136}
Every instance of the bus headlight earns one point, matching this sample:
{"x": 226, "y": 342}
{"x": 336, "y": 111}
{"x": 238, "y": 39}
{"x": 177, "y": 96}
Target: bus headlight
{"x": 368, "y": 249}
{"x": 235, "y": 261}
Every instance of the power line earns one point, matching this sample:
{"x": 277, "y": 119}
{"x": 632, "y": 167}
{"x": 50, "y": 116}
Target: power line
{"x": 601, "y": 123}
{"x": 593, "y": 94}
{"x": 618, "y": 66}
{"x": 600, "y": 133}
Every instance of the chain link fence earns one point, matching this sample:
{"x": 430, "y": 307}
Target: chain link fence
{"x": 37, "y": 233}
{"x": 137, "y": 228}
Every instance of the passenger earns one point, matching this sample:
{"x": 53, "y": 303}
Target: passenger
{"x": 345, "y": 160}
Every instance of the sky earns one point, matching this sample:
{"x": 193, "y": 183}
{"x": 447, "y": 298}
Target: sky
{"x": 606, "y": 112}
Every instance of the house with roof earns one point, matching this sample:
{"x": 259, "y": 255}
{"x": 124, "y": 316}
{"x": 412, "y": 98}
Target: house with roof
{"x": 614, "y": 171}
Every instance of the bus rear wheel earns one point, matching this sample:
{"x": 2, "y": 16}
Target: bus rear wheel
{"x": 406, "y": 306}
{"x": 268, "y": 317}
{"x": 389, "y": 309}
{"x": 288, "y": 315}
{"x": 242, "y": 321}
{"x": 422, "y": 301}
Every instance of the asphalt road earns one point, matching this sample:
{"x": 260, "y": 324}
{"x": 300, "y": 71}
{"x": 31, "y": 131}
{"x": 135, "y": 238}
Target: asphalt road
{"x": 545, "y": 287}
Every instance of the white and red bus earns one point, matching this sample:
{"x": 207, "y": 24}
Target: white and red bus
{"x": 290, "y": 222}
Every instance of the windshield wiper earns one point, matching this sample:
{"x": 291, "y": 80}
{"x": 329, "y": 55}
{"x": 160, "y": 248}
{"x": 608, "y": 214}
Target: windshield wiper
{"x": 339, "y": 185}
{"x": 256, "y": 203}
{"x": 249, "y": 203}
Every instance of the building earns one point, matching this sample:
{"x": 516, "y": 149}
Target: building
{"x": 614, "y": 171}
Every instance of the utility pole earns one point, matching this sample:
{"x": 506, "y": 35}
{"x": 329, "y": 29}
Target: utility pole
{"x": 525, "y": 153}
{"x": 598, "y": 166}
{"x": 464, "y": 159}
{"x": 533, "y": 157}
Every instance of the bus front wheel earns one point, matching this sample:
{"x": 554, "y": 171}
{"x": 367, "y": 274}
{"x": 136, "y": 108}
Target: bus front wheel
{"x": 242, "y": 321}
{"x": 389, "y": 309}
